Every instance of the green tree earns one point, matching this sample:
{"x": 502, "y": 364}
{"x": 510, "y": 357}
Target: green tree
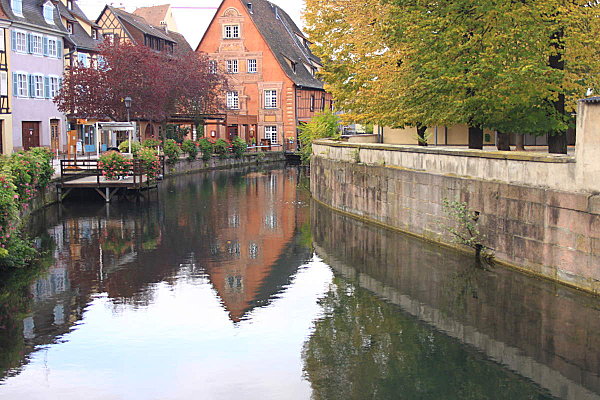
{"x": 323, "y": 125}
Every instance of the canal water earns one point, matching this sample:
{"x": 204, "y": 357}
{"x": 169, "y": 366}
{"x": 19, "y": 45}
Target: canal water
{"x": 233, "y": 285}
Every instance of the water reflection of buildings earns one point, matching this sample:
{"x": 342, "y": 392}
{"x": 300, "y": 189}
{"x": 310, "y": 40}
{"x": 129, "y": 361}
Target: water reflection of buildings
{"x": 238, "y": 229}
{"x": 548, "y": 334}
{"x": 243, "y": 255}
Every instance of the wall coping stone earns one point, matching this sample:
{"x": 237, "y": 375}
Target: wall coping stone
{"x": 498, "y": 155}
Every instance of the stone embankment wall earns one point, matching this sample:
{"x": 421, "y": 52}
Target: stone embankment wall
{"x": 528, "y": 221}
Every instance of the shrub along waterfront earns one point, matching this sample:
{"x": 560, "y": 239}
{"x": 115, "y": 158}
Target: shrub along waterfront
{"x": 21, "y": 176}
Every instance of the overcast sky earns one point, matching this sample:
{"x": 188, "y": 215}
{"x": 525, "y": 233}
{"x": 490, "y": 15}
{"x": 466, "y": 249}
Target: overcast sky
{"x": 192, "y": 22}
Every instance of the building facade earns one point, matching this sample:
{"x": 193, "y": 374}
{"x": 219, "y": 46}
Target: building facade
{"x": 36, "y": 38}
{"x": 271, "y": 70}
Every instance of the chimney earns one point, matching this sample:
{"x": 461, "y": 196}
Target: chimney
{"x": 163, "y": 25}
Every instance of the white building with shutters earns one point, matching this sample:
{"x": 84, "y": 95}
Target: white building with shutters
{"x": 35, "y": 44}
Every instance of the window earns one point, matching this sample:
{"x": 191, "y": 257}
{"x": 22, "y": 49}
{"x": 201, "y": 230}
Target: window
{"x": 312, "y": 102}
{"x": 49, "y": 12}
{"x": 70, "y": 4}
{"x": 233, "y": 101}
{"x": 271, "y": 134}
{"x": 3, "y": 83}
{"x": 37, "y": 86}
{"x": 231, "y": 31}
{"x": 212, "y": 66}
{"x": 54, "y": 86}
{"x": 270, "y": 98}
{"x": 70, "y": 27}
{"x": 17, "y": 7}
{"x": 36, "y": 44}
{"x": 19, "y": 40}
{"x": 52, "y": 47}
{"x": 323, "y": 103}
{"x": 20, "y": 84}
{"x": 232, "y": 66}
{"x": 83, "y": 60}
{"x": 252, "y": 66}
{"x": 110, "y": 38}
{"x": 95, "y": 34}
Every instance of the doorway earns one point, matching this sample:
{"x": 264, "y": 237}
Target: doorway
{"x": 54, "y": 136}
{"x": 31, "y": 134}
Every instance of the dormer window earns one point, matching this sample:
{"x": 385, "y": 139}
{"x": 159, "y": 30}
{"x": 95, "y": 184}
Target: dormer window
{"x": 70, "y": 27}
{"x": 293, "y": 65}
{"x": 49, "y": 12}
{"x": 95, "y": 34}
{"x": 70, "y": 4}
{"x": 17, "y": 7}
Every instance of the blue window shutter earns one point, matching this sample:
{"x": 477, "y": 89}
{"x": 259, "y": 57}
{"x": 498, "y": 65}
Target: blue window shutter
{"x": 45, "y": 46}
{"x": 31, "y": 86}
{"x": 29, "y": 43}
{"x": 13, "y": 40}
{"x": 15, "y": 85}
{"x": 59, "y": 48}
{"x": 47, "y": 87}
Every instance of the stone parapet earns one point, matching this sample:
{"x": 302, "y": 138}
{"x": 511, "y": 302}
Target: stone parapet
{"x": 535, "y": 228}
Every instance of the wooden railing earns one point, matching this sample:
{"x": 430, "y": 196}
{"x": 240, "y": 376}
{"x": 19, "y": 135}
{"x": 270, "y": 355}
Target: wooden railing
{"x": 75, "y": 169}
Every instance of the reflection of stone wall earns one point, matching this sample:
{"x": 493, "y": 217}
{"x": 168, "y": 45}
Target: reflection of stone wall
{"x": 547, "y": 232}
{"x": 543, "y": 331}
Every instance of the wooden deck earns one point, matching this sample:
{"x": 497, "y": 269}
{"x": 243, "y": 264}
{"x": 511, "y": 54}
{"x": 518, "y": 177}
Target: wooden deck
{"x": 85, "y": 174}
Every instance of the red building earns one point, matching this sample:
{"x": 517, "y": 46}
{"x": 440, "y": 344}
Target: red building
{"x": 273, "y": 87}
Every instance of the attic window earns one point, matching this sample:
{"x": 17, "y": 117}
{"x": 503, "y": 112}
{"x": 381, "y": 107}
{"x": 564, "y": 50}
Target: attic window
{"x": 17, "y": 7}
{"x": 70, "y": 4}
{"x": 293, "y": 65}
{"x": 49, "y": 12}
{"x": 70, "y": 27}
{"x": 249, "y": 5}
{"x": 95, "y": 34}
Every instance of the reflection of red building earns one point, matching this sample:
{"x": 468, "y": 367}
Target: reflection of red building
{"x": 250, "y": 238}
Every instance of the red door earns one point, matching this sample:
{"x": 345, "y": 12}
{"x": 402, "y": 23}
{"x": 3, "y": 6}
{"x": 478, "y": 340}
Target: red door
{"x": 31, "y": 135}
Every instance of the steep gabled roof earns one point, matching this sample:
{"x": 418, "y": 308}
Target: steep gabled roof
{"x": 154, "y": 15}
{"x": 286, "y": 40}
{"x": 79, "y": 37}
{"x": 182, "y": 46}
{"x": 140, "y": 24}
{"x": 33, "y": 14}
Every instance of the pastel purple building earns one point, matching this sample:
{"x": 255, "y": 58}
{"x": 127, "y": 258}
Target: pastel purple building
{"x": 36, "y": 45}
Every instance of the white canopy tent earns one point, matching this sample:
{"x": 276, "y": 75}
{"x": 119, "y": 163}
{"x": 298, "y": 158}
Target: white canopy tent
{"x": 111, "y": 128}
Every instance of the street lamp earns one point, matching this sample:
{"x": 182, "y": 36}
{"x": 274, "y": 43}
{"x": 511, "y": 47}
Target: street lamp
{"x": 127, "y": 101}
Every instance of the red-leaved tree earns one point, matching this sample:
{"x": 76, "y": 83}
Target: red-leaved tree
{"x": 160, "y": 85}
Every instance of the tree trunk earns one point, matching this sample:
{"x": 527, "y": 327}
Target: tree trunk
{"x": 503, "y": 141}
{"x": 519, "y": 141}
{"x": 475, "y": 137}
{"x": 557, "y": 141}
{"x": 421, "y": 130}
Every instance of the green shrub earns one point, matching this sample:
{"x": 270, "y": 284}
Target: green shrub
{"x": 238, "y": 147}
{"x": 207, "y": 148}
{"x": 172, "y": 151}
{"x": 321, "y": 126}
{"x": 114, "y": 165}
{"x": 151, "y": 143}
{"x": 190, "y": 148}
{"x": 150, "y": 163}
{"x": 135, "y": 147}
{"x": 221, "y": 148}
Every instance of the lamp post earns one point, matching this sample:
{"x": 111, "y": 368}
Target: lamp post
{"x": 127, "y": 101}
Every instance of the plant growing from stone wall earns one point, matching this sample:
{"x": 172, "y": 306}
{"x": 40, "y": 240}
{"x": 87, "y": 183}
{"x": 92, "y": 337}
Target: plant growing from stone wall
{"x": 464, "y": 227}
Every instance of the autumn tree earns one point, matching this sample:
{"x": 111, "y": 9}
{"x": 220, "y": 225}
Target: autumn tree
{"x": 494, "y": 64}
{"x": 159, "y": 84}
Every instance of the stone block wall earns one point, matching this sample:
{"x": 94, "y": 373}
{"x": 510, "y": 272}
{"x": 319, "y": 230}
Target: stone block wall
{"x": 543, "y": 231}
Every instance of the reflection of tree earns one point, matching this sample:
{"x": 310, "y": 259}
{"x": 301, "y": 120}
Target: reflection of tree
{"x": 15, "y": 303}
{"x": 365, "y": 348}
